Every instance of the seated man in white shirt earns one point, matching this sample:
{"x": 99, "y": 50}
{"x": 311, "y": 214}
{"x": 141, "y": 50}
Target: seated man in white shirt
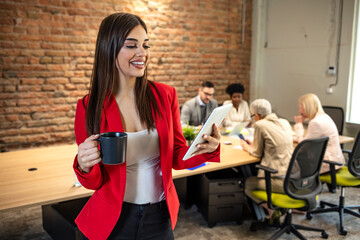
{"x": 196, "y": 110}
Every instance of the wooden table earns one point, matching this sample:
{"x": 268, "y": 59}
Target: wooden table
{"x": 53, "y": 179}
{"x": 342, "y": 140}
{"x": 345, "y": 139}
{"x": 230, "y": 156}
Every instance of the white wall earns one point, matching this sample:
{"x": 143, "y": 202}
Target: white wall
{"x": 301, "y": 38}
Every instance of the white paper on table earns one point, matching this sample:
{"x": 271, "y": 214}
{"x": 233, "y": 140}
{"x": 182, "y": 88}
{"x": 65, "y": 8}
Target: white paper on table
{"x": 238, "y": 147}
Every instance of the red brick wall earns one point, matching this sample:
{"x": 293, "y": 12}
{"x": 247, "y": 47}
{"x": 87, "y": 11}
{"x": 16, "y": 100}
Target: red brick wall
{"x": 47, "y": 49}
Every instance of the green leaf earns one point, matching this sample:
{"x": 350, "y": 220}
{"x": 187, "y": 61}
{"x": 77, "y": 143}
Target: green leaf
{"x": 189, "y": 132}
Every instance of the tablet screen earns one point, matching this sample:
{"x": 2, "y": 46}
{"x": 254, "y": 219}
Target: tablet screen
{"x": 216, "y": 116}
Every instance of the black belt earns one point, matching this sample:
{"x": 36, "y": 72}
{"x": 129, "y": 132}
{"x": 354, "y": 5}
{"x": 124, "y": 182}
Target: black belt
{"x": 159, "y": 205}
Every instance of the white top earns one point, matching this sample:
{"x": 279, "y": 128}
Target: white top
{"x": 320, "y": 126}
{"x": 200, "y": 101}
{"x": 236, "y": 116}
{"x": 143, "y": 172}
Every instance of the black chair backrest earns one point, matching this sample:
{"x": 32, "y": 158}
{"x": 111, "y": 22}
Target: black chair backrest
{"x": 354, "y": 158}
{"x": 337, "y": 115}
{"x": 302, "y": 177}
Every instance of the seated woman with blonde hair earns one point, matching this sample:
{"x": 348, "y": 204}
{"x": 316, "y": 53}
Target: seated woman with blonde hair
{"x": 320, "y": 125}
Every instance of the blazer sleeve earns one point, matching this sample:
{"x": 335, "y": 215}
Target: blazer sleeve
{"x": 258, "y": 146}
{"x": 180, "y": 146}
{"x": 314, "y": 130}
{"x": 299, "y": 130}
{"x": 93, "y": 179}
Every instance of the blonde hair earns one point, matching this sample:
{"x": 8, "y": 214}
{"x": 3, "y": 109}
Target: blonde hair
{"x": 311, "y": 104}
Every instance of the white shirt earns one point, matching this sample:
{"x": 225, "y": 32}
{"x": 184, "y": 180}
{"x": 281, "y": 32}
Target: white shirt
{"x": 200, "y": 101}
{"x": 143, "y": 171}
{"x": 320, "y": 126}
{"x": 235, "y": 116}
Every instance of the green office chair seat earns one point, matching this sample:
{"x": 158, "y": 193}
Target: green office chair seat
{"x": 280, "y": 200}
{"x": 343, "y": 178}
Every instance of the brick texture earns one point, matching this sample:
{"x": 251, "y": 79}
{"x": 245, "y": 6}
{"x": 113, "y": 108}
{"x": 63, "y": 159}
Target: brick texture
{"x": 47, "y": 49}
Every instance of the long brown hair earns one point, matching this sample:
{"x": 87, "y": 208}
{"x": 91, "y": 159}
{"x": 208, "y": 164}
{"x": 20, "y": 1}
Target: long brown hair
{"x": 105, "y": 76}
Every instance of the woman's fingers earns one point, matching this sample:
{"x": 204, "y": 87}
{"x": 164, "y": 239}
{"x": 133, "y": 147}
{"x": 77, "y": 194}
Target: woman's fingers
{"x": 90, "y": 142}
{"x": 298, "y": 119}
{"x": 205, "y": 148}
{"x": 211, "y": 144}
{"x": 91, "y": 162}
{"x": 88, "y": 153}
{"x": 212, "y": 140}
{"x": 216, "y": 132}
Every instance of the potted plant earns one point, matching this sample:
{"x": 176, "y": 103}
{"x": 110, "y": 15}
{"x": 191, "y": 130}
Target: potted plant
{"x": 189, "y": 133}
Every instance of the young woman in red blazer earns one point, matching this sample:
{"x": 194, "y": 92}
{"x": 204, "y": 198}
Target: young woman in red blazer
{"x": 121, "y": 99}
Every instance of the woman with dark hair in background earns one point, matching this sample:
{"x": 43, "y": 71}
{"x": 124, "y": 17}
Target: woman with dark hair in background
{"x": 240, "y": 111}
{"x": 137, "y": 199}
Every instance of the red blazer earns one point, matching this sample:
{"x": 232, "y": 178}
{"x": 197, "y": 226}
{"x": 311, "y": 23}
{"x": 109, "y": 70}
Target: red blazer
{"x": 100, "y": 214}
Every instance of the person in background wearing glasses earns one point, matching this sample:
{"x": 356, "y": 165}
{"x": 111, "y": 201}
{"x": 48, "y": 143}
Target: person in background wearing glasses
{"x": 240, "y": 110}
{"x": 273, "y": 143}
{"x": 196, "y": 110}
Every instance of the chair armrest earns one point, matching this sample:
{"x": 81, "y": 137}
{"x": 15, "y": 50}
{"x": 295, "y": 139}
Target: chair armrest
{"x": 348, "y": 151}
{"x": 268, "y": 172}
{"x": 333, "y": 173}
{"x": 332, "y": 163}
{"x": 266, "y": 169}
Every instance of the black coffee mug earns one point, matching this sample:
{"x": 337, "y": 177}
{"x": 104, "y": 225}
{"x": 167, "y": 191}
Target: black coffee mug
{"x": 113, "y": 147}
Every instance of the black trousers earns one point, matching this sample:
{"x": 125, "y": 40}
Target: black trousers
{"x": 143, "y": 222}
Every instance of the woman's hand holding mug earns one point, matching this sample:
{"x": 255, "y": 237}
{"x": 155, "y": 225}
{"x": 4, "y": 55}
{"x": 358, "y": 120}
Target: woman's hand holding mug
{"x": 88, "y": 153}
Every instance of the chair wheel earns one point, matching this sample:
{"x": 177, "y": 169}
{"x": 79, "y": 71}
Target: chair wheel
{"x": 324, "y": 235}
{"x": 322, "y": 205}
{"x": 309, "y": 216}
{"x": 343, "y": 231}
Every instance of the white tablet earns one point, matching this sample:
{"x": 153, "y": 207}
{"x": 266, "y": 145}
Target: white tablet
{"x": 216, "y": 116}
{"x": 238, "y": 128}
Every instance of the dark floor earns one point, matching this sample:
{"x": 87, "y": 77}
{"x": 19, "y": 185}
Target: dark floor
{"x": 27, "y": 224}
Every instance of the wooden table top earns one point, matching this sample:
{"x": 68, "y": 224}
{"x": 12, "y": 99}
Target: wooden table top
{"x": 346, "y": 139}
{"x": 53, "y": 179}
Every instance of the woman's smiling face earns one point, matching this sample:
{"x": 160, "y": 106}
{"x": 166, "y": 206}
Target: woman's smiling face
{"x": 236, "y": 98}
{"x": 134, "y": 55}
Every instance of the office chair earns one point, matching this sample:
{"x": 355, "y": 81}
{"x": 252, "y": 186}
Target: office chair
{"x": 301, "y": 185}
{"x": 347, "y": 176}
{"x": 337, "y": 115}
